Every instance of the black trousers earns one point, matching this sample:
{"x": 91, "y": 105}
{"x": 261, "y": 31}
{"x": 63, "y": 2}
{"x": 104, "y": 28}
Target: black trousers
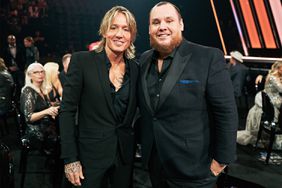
{"x": 159, "y": 178}
{"x": 118, "y": 175}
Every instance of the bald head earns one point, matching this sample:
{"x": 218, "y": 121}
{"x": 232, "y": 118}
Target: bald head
{"x": 11, "y": 39}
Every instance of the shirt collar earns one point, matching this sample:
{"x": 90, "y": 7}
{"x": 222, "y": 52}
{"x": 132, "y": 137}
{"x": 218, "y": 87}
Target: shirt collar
{"x": 10, "y": 46}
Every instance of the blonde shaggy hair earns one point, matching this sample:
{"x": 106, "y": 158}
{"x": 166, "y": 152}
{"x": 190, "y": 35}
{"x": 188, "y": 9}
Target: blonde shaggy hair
{"x": 106, "y": 23}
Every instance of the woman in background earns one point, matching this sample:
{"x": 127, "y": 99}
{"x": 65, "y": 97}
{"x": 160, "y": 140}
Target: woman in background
{"x": 38, "y": 114}
{"x": 52, "y": 85}
{"x": 273, "y": 88}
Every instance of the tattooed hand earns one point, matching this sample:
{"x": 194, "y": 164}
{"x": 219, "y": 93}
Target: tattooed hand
{"x": 73, "y": 172}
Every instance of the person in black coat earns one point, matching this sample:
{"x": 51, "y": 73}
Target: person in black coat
{"x": 101, "y": 85}
{"x": 238, "y": 72}
{"x": 31, "y": 51}
{"x": 6, "y": 88}
{"x": 65, "y": 61}
{"x": 188, "y": 113}
{"x": 15, "y": 62}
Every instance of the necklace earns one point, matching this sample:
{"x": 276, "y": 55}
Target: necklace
{"x": 116, "y": 75}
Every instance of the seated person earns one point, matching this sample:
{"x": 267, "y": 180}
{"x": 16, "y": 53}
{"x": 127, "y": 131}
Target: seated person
{"x": 39, "y": 116}
{"x": 6, "y": 88}
{"x": 273, "y": 88}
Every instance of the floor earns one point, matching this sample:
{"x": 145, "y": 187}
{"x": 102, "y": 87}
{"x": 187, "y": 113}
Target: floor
{"x": 247, "y": 171}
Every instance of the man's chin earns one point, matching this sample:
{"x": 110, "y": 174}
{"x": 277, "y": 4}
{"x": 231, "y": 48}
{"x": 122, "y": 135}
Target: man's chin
{"x": 163, "y": 47}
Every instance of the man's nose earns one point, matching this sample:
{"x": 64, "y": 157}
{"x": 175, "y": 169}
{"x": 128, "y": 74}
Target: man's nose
{"x": 119, "y": 32}
{"x": 163, "y": 26}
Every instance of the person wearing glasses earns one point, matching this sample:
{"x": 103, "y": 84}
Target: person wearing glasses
{"x": 38, "y": 114}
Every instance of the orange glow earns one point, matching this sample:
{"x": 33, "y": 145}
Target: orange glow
{"x": 264, "y": 24}
{"x": 218, "y": 27}
{"x": 250, "y": 24}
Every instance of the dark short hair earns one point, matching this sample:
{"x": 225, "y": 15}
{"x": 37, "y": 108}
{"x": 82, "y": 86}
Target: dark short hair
{"x": 29, "y": 39}
{"x": 165, "y": 3}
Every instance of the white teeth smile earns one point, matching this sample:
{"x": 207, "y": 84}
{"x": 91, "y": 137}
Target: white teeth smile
{"x": 163, "y": 35}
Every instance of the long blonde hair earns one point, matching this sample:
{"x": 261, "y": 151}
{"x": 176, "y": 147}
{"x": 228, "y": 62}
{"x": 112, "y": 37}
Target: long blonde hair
{"x": 106, "y": 23}
{"x": 51, "y": 78}
{"x": 274, "y": 70}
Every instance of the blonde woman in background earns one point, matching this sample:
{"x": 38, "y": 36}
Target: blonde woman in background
{"x": 273, "y": 88}
{"x": 52, "y": 85}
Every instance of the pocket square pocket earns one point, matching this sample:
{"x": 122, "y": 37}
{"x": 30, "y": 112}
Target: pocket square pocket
{"x": 189, "y": 81}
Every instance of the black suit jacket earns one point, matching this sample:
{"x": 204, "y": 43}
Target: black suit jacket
{"x": 196, "y": 119}
{"x": 87, "y": 89}
{"x": 238, "y": 75}
{"x": 19, "y": 59}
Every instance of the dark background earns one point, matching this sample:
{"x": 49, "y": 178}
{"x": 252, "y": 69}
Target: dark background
{"x": 73, "y": 24}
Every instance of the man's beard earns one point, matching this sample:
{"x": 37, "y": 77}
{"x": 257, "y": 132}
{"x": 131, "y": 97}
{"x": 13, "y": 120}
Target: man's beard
{"x": 167, "y": 48}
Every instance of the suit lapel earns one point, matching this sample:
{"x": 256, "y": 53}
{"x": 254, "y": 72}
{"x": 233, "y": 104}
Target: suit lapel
{"x": 178, "y": 64}
{"x": 132, "y": 83}
{"x": 144, "y": 72}
{"x": 100, "y": 60}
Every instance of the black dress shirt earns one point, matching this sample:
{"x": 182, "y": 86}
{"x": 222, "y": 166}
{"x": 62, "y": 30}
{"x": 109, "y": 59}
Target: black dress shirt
{"x": 155, "y": 78}
{"x": 120, "y": 97}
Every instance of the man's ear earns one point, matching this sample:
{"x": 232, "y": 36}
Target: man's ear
{"x": 182, "y": 24}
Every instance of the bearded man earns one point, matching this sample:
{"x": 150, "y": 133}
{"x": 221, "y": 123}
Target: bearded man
{"x": 188, "y": 112}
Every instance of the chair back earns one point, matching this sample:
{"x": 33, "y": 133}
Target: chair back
{"x": 280, "y": 118}
{"x": 267, "y": 108}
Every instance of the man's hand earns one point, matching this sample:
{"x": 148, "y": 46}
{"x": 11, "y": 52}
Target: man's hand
{"x": 73, "y": 172}
{"x": 216, "y": 168}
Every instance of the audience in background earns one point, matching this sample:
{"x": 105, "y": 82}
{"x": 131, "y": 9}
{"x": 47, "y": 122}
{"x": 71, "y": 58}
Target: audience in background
{"x": 238, "y": 73}
{"x": 52, "y": 85}
{"x": 31, "y": 51}
{"x": 65, "y": 61}
{"x": 38, "y": 114}
{"x": 6, "y": 88}
{"x": 273, "y": 88}
{"x": 15, "y": 61}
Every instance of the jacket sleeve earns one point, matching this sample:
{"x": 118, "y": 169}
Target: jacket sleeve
{"x": 221, "y": 100}
{"x": 69, "y": 107}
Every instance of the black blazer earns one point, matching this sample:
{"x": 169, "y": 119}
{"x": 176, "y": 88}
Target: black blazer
{"x": 87, "y": 89}
{"x": 238, "y": 75}
{"x": 19, "y": 59}
{"x": 196, "y": 119}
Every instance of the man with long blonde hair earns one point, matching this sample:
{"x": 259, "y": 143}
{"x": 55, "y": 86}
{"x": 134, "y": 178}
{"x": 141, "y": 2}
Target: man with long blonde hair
{"x": 102, "y": 84}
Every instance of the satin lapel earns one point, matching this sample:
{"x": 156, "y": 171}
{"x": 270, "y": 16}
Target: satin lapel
{"x": 100, "y": 60}
{"x": 144, "y": 72}
{"x": 132, "y": 83}
{"x": 177, "y": 66}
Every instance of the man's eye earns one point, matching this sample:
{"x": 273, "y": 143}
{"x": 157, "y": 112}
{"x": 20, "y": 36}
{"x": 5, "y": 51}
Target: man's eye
{"x": 126, "y": 29}
{"x": 169, "y": 21}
